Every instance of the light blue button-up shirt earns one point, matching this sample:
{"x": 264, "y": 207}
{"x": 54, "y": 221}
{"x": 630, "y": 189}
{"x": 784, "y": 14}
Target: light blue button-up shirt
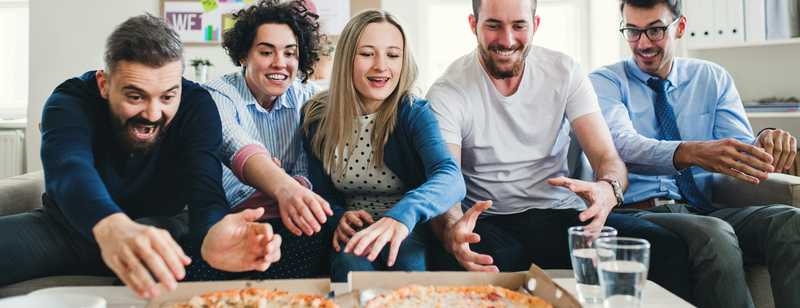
{"x": 706, "y": 105}
{"x": 245, "y": 122}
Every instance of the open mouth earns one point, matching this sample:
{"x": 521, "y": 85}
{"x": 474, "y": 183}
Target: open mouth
{"x": 277, "y": 77}
{"x": 378, "y": 82}
{"x": 142, "y": 132}
{"x": 648, "y": 54}
{"x": 504, "y": 52}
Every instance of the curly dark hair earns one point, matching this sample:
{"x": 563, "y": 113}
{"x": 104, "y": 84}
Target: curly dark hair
{"x": 238, "y": 40}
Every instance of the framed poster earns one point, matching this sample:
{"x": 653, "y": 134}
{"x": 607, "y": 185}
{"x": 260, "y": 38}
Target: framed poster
{"x": 201, "y": 22}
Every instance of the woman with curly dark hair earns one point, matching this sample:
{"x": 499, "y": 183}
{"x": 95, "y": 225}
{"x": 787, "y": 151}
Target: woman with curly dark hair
{"x": 276, "y": 44}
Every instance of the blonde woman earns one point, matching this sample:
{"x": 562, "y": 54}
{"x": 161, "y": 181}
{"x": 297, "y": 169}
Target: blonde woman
{"x": 376, "y": 150}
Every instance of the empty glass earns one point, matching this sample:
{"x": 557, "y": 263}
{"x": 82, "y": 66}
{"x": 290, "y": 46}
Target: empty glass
{"x": 623, "y": 264}
{"x": 584, "y": 262}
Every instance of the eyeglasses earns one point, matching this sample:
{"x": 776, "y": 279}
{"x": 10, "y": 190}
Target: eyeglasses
{"x": 653, "y": 33}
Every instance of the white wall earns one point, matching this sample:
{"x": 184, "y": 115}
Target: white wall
{"x": 67, "y": 38}
{"x": 759, "y": 71}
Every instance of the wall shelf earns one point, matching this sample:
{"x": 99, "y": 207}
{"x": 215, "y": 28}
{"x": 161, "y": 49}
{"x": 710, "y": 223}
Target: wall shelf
{"x": 727, "y": 45}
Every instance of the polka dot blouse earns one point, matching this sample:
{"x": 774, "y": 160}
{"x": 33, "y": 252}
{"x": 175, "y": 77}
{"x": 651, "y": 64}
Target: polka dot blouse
{"x": 365, "y": 187}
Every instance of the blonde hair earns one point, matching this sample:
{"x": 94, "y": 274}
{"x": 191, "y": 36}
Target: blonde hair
{"x": 335, "y": 111}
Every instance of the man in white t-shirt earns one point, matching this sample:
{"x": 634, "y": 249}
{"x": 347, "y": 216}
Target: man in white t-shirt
{"x": 506, "y": 110}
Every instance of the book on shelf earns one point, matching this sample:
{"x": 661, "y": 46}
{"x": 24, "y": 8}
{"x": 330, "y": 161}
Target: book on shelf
{"x": 772, "y": 106}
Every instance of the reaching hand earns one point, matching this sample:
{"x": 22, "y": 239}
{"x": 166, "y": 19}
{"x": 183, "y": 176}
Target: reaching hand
{"x": 781, "y": 145}
{"x": 302, "y": 211}
{"x": 134, "y": 251}
{"x": 728, "y": 156}
{"x": 351, "y": 222}
{"x": 238, "y": 244}
{"x": 599, "y": 195}
{"x": 370, "y": 241}
{"x": 458, "y": 237}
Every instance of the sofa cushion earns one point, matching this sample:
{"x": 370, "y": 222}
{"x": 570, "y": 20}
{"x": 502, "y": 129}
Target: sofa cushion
{"x": 21, "y": 193}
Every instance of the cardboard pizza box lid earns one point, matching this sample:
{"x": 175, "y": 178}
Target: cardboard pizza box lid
{"x": 535, "y": 279}
{"x": 186, "y": 290}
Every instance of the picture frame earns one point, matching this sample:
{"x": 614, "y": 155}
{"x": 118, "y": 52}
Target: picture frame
{"x": 201, "y": 22}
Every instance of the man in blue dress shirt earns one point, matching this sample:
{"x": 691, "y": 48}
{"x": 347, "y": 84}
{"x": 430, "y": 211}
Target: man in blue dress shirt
{"x": 675, "y": 121}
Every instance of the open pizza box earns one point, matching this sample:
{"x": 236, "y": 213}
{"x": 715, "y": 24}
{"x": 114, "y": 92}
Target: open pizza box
{"x": 186, "y": 290}
{"x": 364, "y": 285}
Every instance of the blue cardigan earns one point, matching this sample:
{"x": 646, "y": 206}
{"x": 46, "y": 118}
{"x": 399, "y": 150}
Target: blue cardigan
{"x": 416, "y": 152}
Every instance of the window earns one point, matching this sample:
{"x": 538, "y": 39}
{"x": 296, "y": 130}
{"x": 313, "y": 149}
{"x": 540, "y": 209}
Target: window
{"x": 439, "y": 33}
{"x": 13, "y": 58}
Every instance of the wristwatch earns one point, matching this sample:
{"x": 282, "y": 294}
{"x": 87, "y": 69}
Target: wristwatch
{"x": 616, "y": 188}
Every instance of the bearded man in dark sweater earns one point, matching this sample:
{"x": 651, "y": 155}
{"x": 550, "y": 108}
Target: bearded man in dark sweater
{"x": 126, "y": 150}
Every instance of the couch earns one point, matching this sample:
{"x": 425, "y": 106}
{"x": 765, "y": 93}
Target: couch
{"x": 22, "y": 193}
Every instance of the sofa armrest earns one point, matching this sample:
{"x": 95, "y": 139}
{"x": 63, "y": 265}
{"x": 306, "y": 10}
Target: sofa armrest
{"x": 777, "y": 189}
{"x": 21, "y": 193}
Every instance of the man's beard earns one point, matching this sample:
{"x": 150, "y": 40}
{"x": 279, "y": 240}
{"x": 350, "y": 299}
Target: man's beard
{"x": 128, "y": 144}
{"x": 494, "y": 70}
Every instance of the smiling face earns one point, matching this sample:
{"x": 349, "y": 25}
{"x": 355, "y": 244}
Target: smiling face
{"x": 143, "y": 100}
{"x": 271, "y": 63}
{"x": 654, "y": 57}
{"x": 378, "y": 62}
{"x": 504, "y": 29}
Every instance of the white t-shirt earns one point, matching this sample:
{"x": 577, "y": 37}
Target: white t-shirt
{"x": 511, "y": 145}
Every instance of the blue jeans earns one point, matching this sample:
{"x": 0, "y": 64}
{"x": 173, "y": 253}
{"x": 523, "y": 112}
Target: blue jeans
{"x": 410, "y": 257}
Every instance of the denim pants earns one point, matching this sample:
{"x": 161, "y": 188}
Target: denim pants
{"x": 540, "y": 236}
{"x": 410, "y": 257}
{"x": 42, "y": 243}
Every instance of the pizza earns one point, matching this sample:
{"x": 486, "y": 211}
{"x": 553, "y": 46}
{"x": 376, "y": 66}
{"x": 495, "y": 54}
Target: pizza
{"x": 255, "y": 298}
{"x": 472, "y": 297}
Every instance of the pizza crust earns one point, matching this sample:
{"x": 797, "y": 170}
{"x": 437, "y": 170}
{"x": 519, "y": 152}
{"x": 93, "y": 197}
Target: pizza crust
{"x": 255, "y": 298}
{"x": 472, "y": 297}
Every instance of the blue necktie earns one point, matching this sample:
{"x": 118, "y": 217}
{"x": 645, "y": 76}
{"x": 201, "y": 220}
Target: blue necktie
{"x": 668, "y": 127}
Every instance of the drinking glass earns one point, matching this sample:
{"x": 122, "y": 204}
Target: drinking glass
{"x": 622, "y": 265}
{"x": 584, "y": 262}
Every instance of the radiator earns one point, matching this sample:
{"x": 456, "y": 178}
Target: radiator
{"x": 12, "y": 153}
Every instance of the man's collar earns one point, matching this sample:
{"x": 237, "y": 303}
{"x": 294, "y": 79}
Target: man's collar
{"x": 675, "y": 77}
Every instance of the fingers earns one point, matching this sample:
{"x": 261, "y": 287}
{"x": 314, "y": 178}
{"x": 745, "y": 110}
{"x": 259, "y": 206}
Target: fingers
{"x": 470, "y": 238}
{"x": 590, "y": 212}
{"x": 272, "y": 255}
{"x": 288, "y": 221}
{"x": 248, "y": 215}
{"x": 277, "y": 162}
{"x": 473, "y": 261}
{"x": 170, "y": 255}
{"x": 782, "y": 157}
{"x": 792, "y": 154}
{"x": 140, "y": 280}
{"x": 310, "y": 221}
{"x": 765, "y": 140}
{"x": 377, "y": 245}
{"x": 298, "y": 219}
{"x": 363, "y": 238}
{"x": 744, "y": 172}
{"x": 762, "y": 166}
{"x": 366, "y": 217}
{"x": 325, "y": 205}
{"x": 345, "y": 228}
{"x": 337, "y": 237}
{"x": 763, "y": 159}
{"x": 316, "y": 209}
{"x": 739, "y": 175}
{"x": 394, "y": 248}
